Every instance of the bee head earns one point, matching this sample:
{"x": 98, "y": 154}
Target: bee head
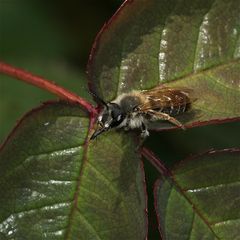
{"x": 110, "y": 117}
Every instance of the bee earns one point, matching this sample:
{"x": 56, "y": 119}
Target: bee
{"x": 138, "y": 108}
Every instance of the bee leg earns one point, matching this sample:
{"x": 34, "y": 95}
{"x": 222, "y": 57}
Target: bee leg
{"x": 165, "y": 116}
{"x": 126, "y": 128}
{"x": 144, "y": 131}
{"x": 144, "y": 135}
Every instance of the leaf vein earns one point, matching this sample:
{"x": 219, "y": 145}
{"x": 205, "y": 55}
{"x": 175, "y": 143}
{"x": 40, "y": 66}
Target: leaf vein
{"x": 42, "y": 207}
{"x": 30, "y": 158}
{"x": 89, "y": 225}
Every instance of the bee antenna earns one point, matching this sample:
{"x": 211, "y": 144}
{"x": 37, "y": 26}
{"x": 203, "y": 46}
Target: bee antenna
{"x": 98, "y": 99}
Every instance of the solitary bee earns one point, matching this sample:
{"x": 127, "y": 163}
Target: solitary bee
{"x": 137, "y": 108}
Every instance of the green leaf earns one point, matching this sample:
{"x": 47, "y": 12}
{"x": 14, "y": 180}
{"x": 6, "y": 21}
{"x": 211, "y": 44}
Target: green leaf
{"x": 201, "y": 200}
{"x": 193, "y": 44}
{"x": 56, "y": 185}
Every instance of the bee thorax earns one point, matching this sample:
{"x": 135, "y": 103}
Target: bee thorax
{"x": 128, "y": 102}
{"x": 132, "y": 122}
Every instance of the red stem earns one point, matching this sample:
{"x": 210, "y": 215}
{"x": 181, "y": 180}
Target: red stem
{"x": 157, "y": 163}
{"x": 46, "y": 85}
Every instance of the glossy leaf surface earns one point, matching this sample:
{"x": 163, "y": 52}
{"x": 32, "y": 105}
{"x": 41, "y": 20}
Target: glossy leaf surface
{"x": 193, "y": 44}
{"x": 53, "y": 185}
{"x": 202, "y": 201}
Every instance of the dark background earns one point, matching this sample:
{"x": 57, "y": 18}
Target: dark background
{"x": 53, "y": 39}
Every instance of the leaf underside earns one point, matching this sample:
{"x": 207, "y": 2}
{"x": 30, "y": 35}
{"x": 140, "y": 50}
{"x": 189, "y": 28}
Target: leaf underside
{"x": 193, "y": 44}
{"x": 53, "y": 185}
{"x": 202, "y": 200}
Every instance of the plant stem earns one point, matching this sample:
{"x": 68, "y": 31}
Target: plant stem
{"x": 46, "y": 85}
{"x": 157, "y": 163}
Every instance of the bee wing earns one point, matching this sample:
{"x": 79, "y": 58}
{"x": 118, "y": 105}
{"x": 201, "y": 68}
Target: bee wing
{"x": 163, "y": 97}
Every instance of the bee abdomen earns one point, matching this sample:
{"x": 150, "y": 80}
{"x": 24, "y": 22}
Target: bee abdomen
{"x": 178, "y": 103}
{"x": 176, "y": 110}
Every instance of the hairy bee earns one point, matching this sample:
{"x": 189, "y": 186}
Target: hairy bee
{"x": 137, "y": 108}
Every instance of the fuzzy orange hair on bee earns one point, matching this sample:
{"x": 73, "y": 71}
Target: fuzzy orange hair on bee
{"x": 138, "y": 108}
